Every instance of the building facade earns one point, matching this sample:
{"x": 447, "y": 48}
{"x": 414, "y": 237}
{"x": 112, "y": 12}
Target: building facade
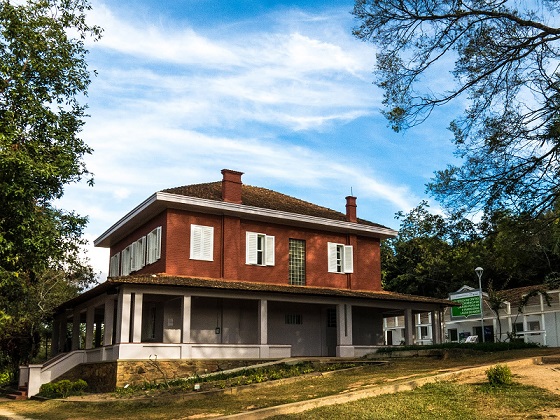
{"x": 229, "y": 271}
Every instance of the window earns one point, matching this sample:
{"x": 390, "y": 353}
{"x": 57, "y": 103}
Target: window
{"x": 126, "y": 261}
{"x": 534, "y": 325}
{"x": 259, "y": 249}
{"x": 138, "y": 259}
{"x": 294, "y": 319}
{"x": 202, "y": 243}
{"x": 114, "y": 265}
{"x": 331, "y": 318}
{"x": 453, "y": 336}
{"x": 341, "y": 258}
{"x": 518, "y": 327}
{"x": 153, "y": 245}
{"x": 296, "y": 265}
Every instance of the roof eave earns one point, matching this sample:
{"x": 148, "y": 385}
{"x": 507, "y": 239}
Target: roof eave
{"x": 161, "y": 201}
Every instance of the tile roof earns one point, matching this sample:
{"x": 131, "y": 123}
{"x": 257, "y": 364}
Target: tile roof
{"x": 264, "y": 198}
{"x": 198, "y": 282}
{"x": 514, "y": 296}
{"x": 240, "y": 286}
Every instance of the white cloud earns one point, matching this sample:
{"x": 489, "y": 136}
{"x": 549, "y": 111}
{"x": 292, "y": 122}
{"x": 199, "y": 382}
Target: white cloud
{"x": 172, "y": 106}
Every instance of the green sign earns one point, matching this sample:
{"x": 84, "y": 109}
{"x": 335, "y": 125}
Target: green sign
{"x": 470, "y": 304}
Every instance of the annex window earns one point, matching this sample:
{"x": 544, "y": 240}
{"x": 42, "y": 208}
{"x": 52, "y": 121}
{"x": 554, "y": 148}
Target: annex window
{"x": 453, "y": 336}
{"x": 296, "y": 265}
{"x": 259, "y": 249}
{"x": 153, "y": 245}
{"x": 202, "y": 243}
{"x": 114, "y": 265}
{"x": 126, "y": 261}
{"x": 138, "y": 259}
{"x": 341, "y": 258}
{"x": 293, "y": 319}
{"x": 534, "y": 325}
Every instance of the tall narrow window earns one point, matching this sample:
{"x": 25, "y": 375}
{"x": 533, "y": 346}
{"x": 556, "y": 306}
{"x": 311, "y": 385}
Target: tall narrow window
{"x": 138, "y": 254}
{"x": 341, "y": 258}
{"x": 202, "y": 243}
{"x": 296, "y": 266}
{"x": 259, "y": 249}
{"x": 114, "y": 265}
{"x": 153, "y": 245}
{"x": 126, "y": 260}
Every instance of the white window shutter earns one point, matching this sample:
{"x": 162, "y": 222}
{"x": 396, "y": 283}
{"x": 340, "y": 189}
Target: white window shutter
{"x": 348, "y": 259}
{"x": 134, "y": 257}
{"x": 251, "y": 248}
{"x": 142, "y": 259}
{"x": 158, "y": 244}
{"x": 332, "y": 257}
{"x": 202, "y": 243}
{"x": 207, "y": 243}
{"x": 269, "y": 250}
{"x": 196, "y": 242}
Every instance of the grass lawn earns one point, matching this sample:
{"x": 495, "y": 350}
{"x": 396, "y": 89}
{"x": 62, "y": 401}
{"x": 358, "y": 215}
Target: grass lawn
{"x": 442, "y": 400}
{"x": 445, "y": 400}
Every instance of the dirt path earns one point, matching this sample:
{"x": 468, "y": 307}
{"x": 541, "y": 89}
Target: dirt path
{"x": 528, "y": 372}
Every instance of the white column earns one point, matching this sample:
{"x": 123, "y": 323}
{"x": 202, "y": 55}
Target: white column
{"x": 186, "y": 335}
{"x": 525, "y": 328}
{"x": 89, "y": 326}
{"x": 543, "y": 328}
{"x": 408, "y": 327}
{"x": 137, "y": 320}
{"x": 108, "y": 320}
{"x": 436, "y": 327}
{"x": 263, "y": 321}
{"x": 344, "y": 346}
{"x": 123, "y": 318}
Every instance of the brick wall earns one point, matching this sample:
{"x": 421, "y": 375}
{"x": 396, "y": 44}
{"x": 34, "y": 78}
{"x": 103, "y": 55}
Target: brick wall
{"x": 101, "y": 377}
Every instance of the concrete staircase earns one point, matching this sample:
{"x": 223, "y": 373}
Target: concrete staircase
{"x": 20, "y": 394}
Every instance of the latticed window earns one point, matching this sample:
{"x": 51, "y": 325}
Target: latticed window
{"x": 297, "y": 262}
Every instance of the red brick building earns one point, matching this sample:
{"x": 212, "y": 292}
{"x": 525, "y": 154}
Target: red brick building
{"x": 224, "y": 270}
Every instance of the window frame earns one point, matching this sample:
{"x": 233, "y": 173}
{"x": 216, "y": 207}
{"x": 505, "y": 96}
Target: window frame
{"x": 153, "y": 246}
{"x": 296, "y": 268}
{"x": 114, "y": 265}
{"x": 263, "y": 255}
{"x": 202, "y": 243}
{"x": 340, "y": 258}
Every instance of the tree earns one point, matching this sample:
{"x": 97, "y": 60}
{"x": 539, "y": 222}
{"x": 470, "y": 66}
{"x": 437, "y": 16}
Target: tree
{"x": 505, "y": 58}
{"x": 432, "y": 255}
{"x": 43, "y": 77}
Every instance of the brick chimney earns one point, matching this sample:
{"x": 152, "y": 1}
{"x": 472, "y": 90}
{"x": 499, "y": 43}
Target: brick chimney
{"x": 351, "y": 209}
{"x": 231, "y": 186}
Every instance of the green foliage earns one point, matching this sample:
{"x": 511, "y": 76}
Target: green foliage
{"x": 499, "y": 375}
{"x": 495, "y": 53}
{"x": 434, "y": 255}
{"x": 63, "y": 388}
{"x": 43, "y": 78}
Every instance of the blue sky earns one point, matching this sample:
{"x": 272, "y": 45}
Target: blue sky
{"x": 278, "y": 90}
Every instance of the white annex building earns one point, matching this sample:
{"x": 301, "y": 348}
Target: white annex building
{"x": 530, "y": 313}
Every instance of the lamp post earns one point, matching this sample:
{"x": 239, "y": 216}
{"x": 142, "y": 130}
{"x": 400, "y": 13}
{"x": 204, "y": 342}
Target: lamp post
{"x": 478, "y": 271}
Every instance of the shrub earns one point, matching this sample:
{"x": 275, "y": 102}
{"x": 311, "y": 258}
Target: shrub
{"x": 63, "y": 388}
{"x": 499, "y": 375}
